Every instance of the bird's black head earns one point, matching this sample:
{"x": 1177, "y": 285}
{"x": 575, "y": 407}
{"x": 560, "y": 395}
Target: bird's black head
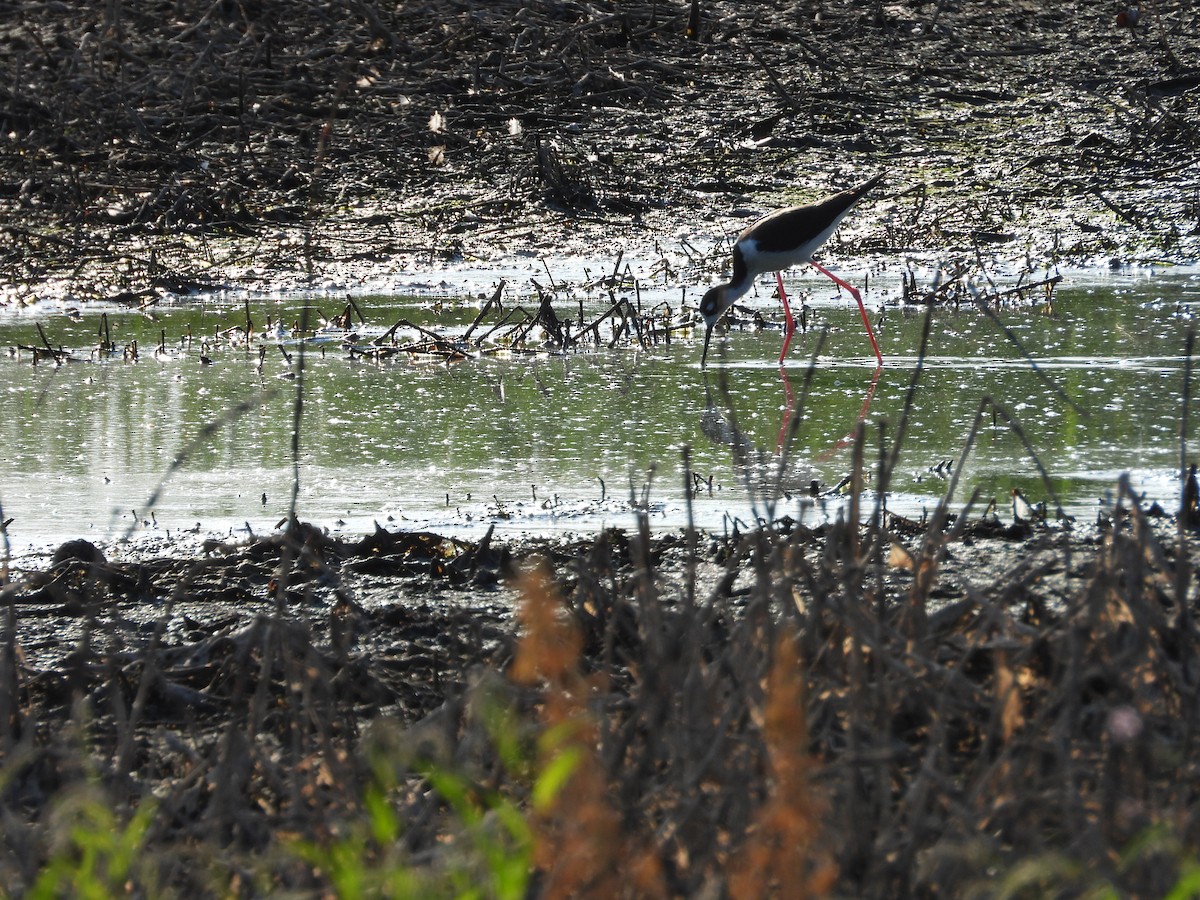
{"x": 712, "y": 305}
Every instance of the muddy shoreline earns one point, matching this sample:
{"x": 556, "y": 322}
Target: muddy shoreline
{"x": 950, "y": 661}
{"x": 144, "y": 157}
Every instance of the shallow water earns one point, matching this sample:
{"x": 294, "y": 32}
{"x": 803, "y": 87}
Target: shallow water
{"x": 563, "y": 442}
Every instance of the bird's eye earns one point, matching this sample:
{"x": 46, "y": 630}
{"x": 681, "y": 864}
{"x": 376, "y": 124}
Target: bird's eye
{"x": 708, "y": 305}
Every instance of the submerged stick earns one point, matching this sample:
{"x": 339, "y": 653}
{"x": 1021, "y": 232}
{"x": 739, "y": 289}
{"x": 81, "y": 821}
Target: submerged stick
{"x": 503, "y": 321}
{"x": 57, "y": 354}
{"x": 107, "y": 344}
{"x": 494, "y": 300}
{"x": 405, "y": 323}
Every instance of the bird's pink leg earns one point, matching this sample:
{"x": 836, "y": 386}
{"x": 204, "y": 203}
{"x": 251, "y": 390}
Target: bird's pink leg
{"x": 862, "y": 309}
{"x": 789, "y": 323}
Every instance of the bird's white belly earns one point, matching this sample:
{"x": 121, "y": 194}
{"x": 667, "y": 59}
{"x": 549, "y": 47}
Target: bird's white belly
{"x": 758, "y": 262}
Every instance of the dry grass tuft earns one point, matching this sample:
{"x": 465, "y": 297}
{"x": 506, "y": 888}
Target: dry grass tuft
{"x": 581, "y": 846}
{"x": 784, "y": 854}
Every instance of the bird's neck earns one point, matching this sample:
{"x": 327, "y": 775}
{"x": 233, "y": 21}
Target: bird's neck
{"x": 741, "y": 280}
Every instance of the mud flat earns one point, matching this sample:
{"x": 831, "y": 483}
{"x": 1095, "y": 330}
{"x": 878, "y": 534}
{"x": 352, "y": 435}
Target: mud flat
{"x": 191, "y": 147}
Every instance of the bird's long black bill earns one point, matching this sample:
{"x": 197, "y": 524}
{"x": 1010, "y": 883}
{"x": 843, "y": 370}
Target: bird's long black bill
{"x": 707, "y": 338}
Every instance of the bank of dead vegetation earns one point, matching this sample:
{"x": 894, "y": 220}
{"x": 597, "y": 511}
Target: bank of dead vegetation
{"x": 178, "y": 146}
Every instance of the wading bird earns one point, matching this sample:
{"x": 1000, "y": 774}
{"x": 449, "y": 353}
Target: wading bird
{"x": 787, "y": 237}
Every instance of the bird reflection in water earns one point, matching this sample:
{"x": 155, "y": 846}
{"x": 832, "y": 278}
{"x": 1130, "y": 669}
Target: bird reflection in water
{"x": 770, "y": 476}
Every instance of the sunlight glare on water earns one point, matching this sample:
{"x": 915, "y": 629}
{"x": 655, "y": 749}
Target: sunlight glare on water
{"x": 562, "y": 442}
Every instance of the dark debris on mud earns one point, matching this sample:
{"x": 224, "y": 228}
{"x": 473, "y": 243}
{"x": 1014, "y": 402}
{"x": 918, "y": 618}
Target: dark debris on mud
{"x": 182, "y": 146}
{"x": 979, "y": 702}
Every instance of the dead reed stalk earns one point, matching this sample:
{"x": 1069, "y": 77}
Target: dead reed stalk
{"x": 784, "y": 853}
{"x": 582, "y": 847}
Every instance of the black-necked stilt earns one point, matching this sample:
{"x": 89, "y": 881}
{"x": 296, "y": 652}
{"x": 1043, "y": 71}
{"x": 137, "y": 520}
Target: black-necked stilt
{"x": 787, "y": 237}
